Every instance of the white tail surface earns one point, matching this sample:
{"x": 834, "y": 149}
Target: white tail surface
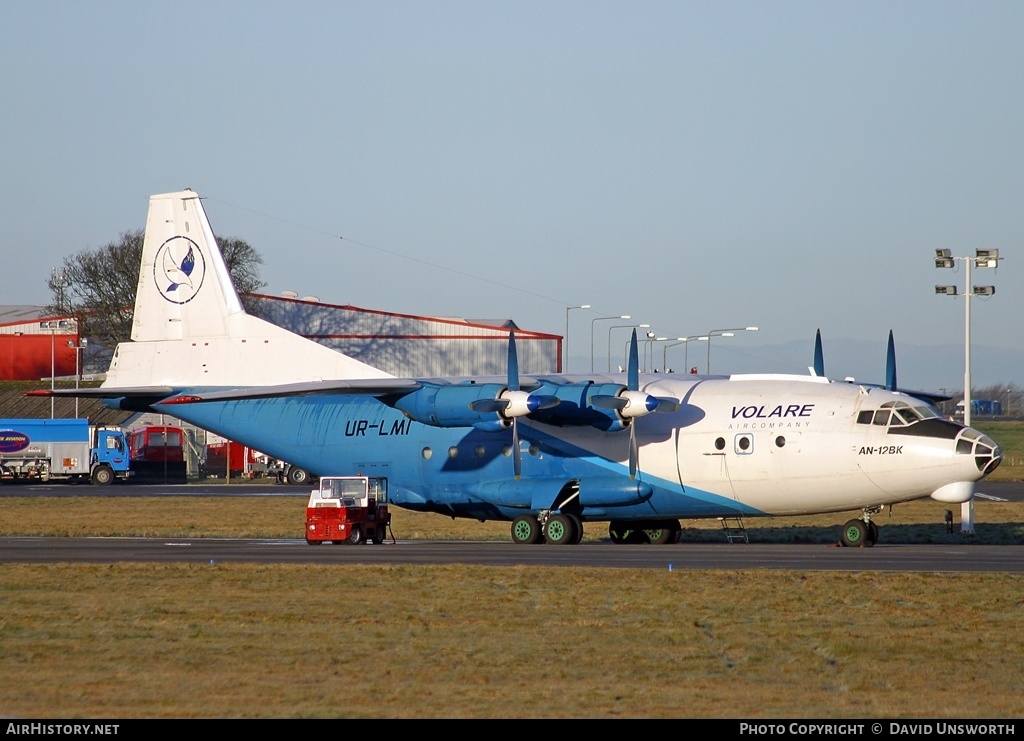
{"x": 189, "y": 327}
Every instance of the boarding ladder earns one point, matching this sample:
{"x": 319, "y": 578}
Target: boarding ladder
{"x": 735, "y": 532}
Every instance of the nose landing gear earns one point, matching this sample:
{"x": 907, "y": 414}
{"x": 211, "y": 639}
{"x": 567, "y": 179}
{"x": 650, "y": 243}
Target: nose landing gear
{"x": 861, "y": 533}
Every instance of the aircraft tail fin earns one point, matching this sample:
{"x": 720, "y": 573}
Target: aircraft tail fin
{"x": 189, "y": 329}
{"x": 184, "y": 287}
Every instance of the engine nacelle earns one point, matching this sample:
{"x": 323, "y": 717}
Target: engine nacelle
{"x": 452, "y": 406}
{"x": 575, "y": 409}
{"x": 597, "y": 491}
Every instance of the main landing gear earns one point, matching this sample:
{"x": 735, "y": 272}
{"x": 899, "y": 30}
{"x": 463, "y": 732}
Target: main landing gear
{"x": 658, "y": 532}
{"x": 861, "y": 533}
{"x": 557, "y": 529}
{"x": 566, "y": 528}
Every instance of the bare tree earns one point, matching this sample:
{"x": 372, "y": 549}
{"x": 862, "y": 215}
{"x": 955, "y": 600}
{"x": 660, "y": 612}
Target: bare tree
{"x": 98, "y": 286}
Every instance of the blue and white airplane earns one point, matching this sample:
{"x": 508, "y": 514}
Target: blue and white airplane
{"x": 547, "y": 453}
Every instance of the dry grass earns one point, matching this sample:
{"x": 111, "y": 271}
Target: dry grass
{"x": 281, "y": 641}
{"x": 175, "y": 641}
{"x": 996, "y": 523}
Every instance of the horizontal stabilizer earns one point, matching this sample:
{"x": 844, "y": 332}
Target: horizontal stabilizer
{"x": 107, "y": 392}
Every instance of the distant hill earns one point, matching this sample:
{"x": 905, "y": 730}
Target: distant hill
{"x": 922, "y": 367}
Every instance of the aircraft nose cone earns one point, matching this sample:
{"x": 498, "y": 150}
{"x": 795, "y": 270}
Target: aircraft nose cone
{"x": 986, "y": 452}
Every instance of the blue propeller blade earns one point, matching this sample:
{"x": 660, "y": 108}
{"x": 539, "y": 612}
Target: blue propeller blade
{"x": 513, "y": 363}
{"x": 819, "y": 357}
{"x": 890, "y": 365}
{"x": 632, "y": 370}
{"x": 513, "y": 385}
{"x": 633, "y": 384}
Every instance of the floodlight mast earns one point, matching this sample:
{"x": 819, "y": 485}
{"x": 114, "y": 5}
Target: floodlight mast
{"x": 981, "y": 259}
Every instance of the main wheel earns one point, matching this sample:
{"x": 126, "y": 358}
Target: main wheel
{"x": 872, "y": 533}
{"x": 617, "y": 532}
{"x": 297, "y": 476}
{"x": 102, "y": 476}
{"x": 665, "y": 533}
{"x": 526, "y": 530}
{"x": 560, "y": 530}
{"x": 855, "y": 534}
{"x": 577, "y": 524}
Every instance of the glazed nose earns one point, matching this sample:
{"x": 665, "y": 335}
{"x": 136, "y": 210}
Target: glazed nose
{"x": 987, "y": 454}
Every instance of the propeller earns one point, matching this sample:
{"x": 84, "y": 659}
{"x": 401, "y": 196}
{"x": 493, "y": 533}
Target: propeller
{"x": 819, "y": 358}
{"x": 632, "y": 402}
{"x": 890, "y": 372}
{"x": 513, "y": 403}
{"x": 890, "y": 365}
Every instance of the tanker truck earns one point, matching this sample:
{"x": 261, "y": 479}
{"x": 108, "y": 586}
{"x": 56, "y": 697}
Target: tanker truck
{"x": 62, "y": 450}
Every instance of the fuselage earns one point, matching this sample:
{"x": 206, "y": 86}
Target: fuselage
{"x": 740, "y": 446}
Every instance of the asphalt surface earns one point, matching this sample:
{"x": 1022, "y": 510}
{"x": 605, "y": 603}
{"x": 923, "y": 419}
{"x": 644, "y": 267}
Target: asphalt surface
{"x": 1012, "y": 492}
{"x": 680, "y": 557}
{"x": 964, "y": 558}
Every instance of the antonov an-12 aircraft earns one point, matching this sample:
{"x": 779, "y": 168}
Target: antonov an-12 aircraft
{"x": 547, "y": 453}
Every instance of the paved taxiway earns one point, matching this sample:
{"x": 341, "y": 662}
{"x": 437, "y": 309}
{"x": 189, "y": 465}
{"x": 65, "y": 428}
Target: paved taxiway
{"x": 1012, "y": 491}
{"x": 806, "y": 557}
{"x": 881, "y": 558}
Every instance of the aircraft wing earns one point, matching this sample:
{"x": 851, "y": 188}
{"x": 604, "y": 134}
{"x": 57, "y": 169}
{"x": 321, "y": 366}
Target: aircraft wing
{"x": 930, "y": 397}
{"x": 369, "y": 386}
{"x": 170, "y": 395}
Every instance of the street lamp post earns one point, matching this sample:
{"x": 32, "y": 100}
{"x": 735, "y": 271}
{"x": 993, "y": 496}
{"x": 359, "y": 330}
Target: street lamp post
{"x": 597, "y": 319}
{"x": 686, "y": 355}
{"x": 79, "y": 348}
{"x": 981, "y": 259}
{"x": 619, "y": 326}
{"x": 724, "y": 333}
{"x": 649, "y": 347}
{"x": 664, "y": 352}
{"x": 52, "y": 326}
{"x": 565, "y": 350}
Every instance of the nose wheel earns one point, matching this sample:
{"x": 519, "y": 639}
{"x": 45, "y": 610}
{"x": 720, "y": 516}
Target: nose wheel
{"x": 859, "y": 534}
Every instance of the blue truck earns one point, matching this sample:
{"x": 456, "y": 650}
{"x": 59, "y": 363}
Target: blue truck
{"x": 62, "y": 449}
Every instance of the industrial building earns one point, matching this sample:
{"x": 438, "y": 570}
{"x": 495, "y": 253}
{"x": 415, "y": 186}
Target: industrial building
{"x": 35, "y": 345}
{"x": 408, "y": 345}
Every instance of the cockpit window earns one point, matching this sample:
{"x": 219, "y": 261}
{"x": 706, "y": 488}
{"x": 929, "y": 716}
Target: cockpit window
{"x": 896, "y": 414}
{"x": 903, "y": 417}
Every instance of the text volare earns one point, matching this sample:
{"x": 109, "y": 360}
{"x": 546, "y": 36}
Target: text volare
{"x": 766, "y": 412}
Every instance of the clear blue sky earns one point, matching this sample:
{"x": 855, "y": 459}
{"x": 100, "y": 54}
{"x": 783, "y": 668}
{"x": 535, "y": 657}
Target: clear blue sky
{"x": 697, "y": 165}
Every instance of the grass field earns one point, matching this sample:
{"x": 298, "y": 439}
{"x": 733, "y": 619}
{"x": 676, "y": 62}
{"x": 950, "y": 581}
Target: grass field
{"x": 320, "y": 641}
{"x": 267, "y": 641}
